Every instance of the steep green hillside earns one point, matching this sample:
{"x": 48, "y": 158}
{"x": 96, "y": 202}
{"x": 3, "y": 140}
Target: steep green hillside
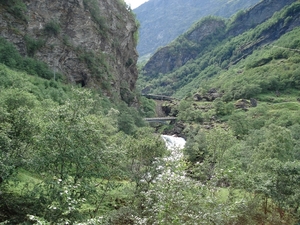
{"x": 217, "y": 53}
{"x": 163, "y": 21}
{"x": 273, "y": 68}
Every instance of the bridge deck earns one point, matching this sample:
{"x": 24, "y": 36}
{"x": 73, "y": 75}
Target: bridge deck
{"x": 160, "y": 119}
{"x": 159, "y": 97}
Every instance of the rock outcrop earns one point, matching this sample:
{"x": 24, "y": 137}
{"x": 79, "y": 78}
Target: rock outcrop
{"x": 210, "y": 96}
{"x": 256, "y": 15}
{"x": 91, "y": 42}
{"x": 171, "y": 57}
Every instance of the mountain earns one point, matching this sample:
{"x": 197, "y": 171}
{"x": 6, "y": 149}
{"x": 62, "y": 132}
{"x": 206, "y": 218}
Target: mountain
{"x": 89, "y": 42}
{"x": 164, "y": 20}
{"x": 214, "y": 45}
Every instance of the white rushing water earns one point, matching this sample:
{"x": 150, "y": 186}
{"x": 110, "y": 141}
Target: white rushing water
{"x": 175, "y": 146}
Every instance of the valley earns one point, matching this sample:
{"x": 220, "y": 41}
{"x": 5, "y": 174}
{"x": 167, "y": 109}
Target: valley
{"x": 87, "y": 130}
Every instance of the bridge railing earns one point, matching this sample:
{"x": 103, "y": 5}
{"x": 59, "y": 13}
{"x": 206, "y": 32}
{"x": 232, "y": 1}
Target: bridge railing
{"x": 159, "y": 97}
{"x": 159, "y": 119}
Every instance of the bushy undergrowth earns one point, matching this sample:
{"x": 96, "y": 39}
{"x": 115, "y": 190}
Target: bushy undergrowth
{"x": 78, "y": 145}
{"x": 77, "y": 158}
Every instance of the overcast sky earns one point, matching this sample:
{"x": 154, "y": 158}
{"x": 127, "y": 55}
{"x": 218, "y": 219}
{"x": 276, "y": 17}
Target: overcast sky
{"x": 135, "y": 3}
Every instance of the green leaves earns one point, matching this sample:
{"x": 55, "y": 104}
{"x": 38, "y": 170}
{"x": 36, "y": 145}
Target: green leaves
{"x": 17, "y": 129}
{"x": 33, "y": 45}
{"x": 52, "y": 28}
{"x": 189, "y": 112}
{"x": 144, "y": 152}
{"x": 12, "y": 58}
{"x": 73, "y": 139}
{"x": 78, "y": 148}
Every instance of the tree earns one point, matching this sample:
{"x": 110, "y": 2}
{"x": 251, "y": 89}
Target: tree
{"x": 189, "y": 112}
{"x": 222, "y": 108}
{"x": 195, "y": 147}
{"x": 77, "y": 155}
{"x": 269, "y": 169}
{"x": 239, "y": 124}
{"x": 144, "y": 152}
{"x": 17, "y": 130}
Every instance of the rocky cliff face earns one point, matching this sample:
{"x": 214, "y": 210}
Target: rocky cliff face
{"x": 91, "y": 42}
{"x": 171, "y": 57}
{"x": 257, "y": 14}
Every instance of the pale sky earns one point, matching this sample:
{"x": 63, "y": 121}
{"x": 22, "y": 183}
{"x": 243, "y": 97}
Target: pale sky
{"x": 135, "y": 3}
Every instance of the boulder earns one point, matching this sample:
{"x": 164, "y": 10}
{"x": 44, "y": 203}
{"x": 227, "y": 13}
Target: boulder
{"x": 242, "y": 104}
{"x": 210, "y": 96}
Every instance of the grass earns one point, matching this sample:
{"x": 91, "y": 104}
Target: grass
{"x": 224, "y": 194}
{"x": 23, "y": 181}
{"x": 293, "y": 106}
{"x": 289, "y": 95}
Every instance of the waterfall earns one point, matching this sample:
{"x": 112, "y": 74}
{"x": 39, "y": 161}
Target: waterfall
{"x": 175, "y": 146}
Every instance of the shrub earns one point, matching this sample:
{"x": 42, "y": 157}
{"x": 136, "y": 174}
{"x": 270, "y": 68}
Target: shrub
{"x": 32, "y": 45}
{"x": 92, "y": 6}
{"x": 52, "y": 28}
{"x": 129, "y": 62}
{"x": 9, "y": 54}
{"x": 16, "y": 8}
{"x": 11, "y": 58}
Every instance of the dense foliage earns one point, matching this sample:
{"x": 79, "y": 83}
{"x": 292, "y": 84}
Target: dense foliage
{"x": 253, "y": 154}
{"x": 69, "y": 155}
{"x": 65, "y": 158}
{"x": 76, "y": 147}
